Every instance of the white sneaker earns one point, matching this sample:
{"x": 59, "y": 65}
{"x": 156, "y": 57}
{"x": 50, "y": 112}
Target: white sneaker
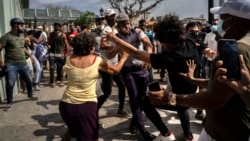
{"x": 170, "y": 137}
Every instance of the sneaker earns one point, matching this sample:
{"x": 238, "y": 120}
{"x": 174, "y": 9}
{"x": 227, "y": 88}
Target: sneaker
{"x": 132, "y": 127}
{"x": 37, "y": 88}
{"x": 8, "y": 106}
{"x": 200, "y": 116}
{"x": 52, "y": 85}
{"x": 188, "y": 136}
{"x": 169, "y": 137}
{"x": 33, "y": 97}
{"x": 101, "y": 124}
{"x": 61, "y": 84}
{"x": 122, "y": 113}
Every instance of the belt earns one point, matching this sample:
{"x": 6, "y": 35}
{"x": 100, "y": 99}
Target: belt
{"x": 56, "y": 55}
{"x": 132, "y": 68}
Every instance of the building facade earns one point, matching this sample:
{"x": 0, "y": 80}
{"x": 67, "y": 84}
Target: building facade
{"x": 8, "y": 10}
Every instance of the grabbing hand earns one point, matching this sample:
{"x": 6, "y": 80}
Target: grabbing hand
{"x": 124, "y": 55}
{"x": 110, "y": 35}
{"x": 145, "y": 65}
{"x": 190, "y": 73}
{"x": 159, "y": 97}
{"x": 239, "y": 86}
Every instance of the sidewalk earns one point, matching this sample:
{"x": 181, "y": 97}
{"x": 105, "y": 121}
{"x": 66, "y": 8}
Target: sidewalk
{"x": 40, "y": 120}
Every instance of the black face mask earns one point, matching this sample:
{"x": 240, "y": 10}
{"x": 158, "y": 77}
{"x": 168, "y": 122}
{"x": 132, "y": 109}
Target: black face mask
{"x": 194, "y": 35}
{"x": 110, "y": 22}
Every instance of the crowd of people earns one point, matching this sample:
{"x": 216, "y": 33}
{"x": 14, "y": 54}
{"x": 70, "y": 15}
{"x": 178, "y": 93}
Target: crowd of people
{"x": 115, "y": 51}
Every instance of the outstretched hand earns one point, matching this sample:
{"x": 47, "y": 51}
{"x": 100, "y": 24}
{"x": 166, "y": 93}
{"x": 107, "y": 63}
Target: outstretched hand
{"x": 189, "y": 75}
{"x": 239, "y": 86}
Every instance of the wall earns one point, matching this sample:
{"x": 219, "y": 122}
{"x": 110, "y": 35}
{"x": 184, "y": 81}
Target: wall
{"x": 8, "y": 9}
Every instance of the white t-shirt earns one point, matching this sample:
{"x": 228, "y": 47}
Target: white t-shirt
{"x": 211, "y": 42}
{"x": 104, "y": 53}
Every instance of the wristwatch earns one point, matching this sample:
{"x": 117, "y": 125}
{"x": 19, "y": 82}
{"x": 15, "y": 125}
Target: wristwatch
{"x": 172, "y": 100}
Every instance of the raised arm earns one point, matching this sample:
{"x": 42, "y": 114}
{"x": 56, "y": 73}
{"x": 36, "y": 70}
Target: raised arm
{"x": 131, "y": 50}
{"x": 106, "y": 67}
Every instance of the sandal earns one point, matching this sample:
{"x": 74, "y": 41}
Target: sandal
{"x": 52, "y": 85}
{"x": 61, "y": 84}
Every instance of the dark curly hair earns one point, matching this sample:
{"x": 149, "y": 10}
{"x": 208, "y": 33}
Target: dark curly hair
{"x": 83, "y": 43}
{"x": 170, "y": 30}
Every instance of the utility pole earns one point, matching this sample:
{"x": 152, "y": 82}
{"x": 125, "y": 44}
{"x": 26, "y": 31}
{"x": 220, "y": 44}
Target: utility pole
{"x": 210, "y": 15}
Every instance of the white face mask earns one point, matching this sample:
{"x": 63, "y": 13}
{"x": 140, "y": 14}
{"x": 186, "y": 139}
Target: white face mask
{"x": 219, "y": 27}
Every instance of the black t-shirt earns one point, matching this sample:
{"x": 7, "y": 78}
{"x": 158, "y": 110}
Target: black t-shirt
{"x": 175, "y": 62}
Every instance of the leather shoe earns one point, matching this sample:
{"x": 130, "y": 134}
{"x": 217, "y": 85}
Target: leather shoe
{"x": 132, "y": 127}
{"x": 147, "y": 135}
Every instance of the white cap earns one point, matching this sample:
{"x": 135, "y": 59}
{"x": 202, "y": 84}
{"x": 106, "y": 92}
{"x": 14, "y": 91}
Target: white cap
{"x": 40, "y": 27}
{"x": 238, "y": 8}
{"x": 109, "y": 12}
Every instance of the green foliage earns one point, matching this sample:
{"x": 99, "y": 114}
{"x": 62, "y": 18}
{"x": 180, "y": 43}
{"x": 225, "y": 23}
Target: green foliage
{"x": 85, "y": 19}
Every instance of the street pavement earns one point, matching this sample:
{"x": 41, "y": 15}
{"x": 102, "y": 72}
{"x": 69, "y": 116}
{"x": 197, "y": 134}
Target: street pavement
{"x": 40, "y": 120}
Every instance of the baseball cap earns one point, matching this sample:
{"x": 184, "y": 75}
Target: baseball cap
{"x": 238, "y": 8}
{"x": 40, "y": 27}
{"x": 109, "y": 12}
{"x": 122, "y": 17}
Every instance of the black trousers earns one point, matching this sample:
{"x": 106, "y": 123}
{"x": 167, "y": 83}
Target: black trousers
{"x": 106, "y": 85}
{"x": 154, "y": 116}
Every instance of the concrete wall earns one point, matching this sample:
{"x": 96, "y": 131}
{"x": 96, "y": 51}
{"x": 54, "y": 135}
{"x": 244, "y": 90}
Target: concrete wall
{"x": 8, "y": 10}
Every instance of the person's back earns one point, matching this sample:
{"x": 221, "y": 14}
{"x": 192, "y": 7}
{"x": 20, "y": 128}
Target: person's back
{"x": 82, "y": 76}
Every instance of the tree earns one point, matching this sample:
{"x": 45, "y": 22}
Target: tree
{"x": 133, "y": 8}
{"x": 85, "y": 19}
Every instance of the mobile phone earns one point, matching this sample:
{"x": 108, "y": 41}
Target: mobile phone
{"x": 154, "y": 86}
{"x": 228, "y": 53}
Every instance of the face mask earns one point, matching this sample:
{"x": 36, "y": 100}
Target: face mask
{"x": 100, "y": 27}
{"x": 219, "y": 27}
{"x": 193, "y": 34}
{"x": 110, "y": 22}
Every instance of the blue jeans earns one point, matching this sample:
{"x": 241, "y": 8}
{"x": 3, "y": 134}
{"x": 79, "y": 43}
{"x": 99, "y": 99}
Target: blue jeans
{"x": 58, "y": 63}
{"x": 12, "y": 71}
{"x": 38, "y": 70}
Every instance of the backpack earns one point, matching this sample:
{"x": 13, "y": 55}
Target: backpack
{"x": 41, "y": 53}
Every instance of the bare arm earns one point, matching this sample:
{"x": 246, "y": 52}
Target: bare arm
{"x": 105, "y": 45}
{"x": 131, "y": 50}
{"x": 147, "y": 44}
{"x": 66, "y": 43}
{"x": 106, "y": 67}
{"x": 1, "y": 59}
{"x": 216, "y": 96}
